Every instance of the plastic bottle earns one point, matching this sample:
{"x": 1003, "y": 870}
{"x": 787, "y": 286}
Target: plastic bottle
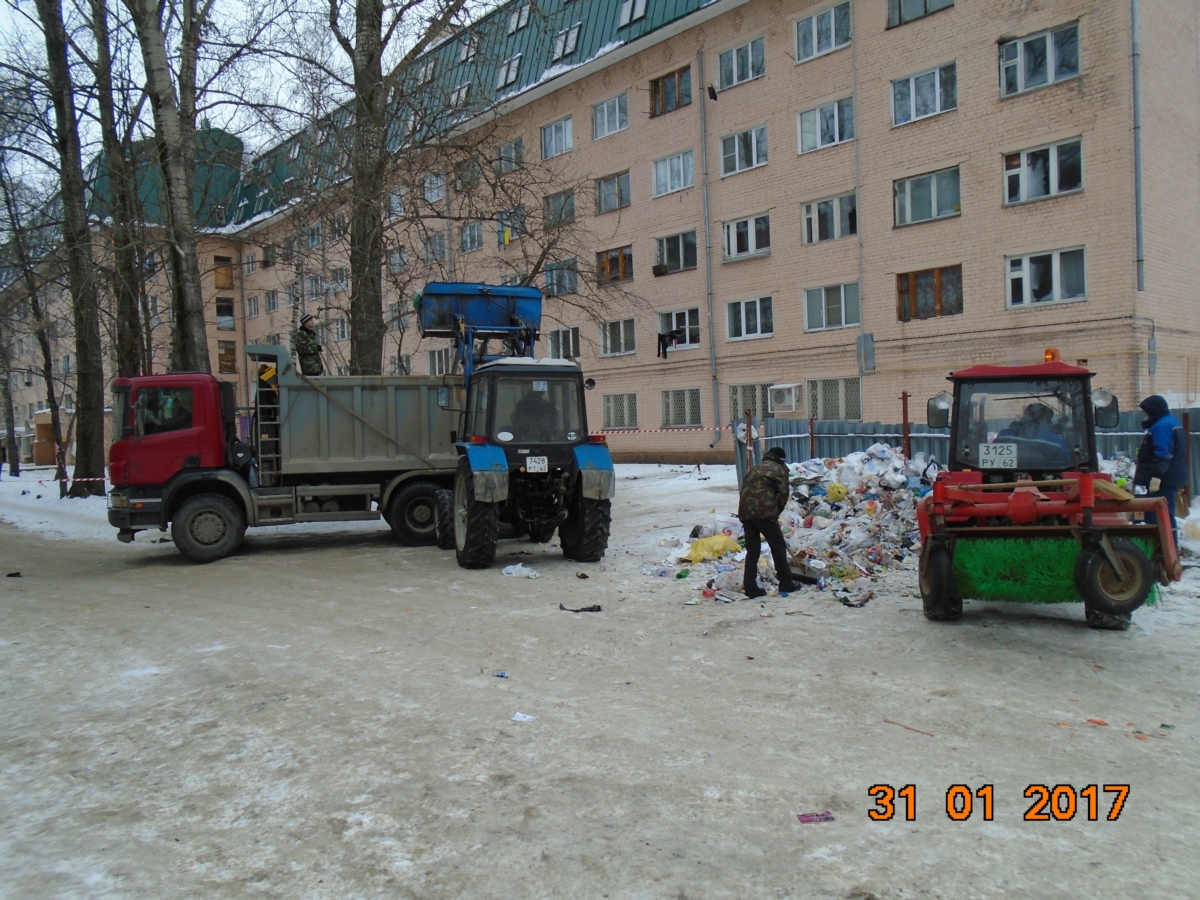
{"x": 682, "y": 573}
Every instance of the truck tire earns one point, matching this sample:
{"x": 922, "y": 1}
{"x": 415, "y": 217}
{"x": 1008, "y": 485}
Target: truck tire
{"x": 937, "y": 584}
{"x": 476, "y": 524}
{"x": 584, "y": 535}
{"x": 1112, "y": 593}
{"x": 445, "y": 520}
{"x": 208, "y": 527}
{"x": 541, "y": 532}
{"x": 412, "y": 513}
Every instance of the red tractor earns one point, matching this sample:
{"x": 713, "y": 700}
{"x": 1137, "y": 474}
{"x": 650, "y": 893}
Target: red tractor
{"x": 1024, "y": 513}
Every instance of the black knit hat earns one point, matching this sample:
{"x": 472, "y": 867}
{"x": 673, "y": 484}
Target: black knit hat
{"x": 776, "y": 453}
{"x": 308, "y": 318}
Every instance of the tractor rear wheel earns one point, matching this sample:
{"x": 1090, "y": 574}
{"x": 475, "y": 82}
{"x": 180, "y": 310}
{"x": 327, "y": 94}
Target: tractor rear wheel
{"x": 584, "y": 535}
{"x": 937, "y": 584}
{"x": 1113, "y": 592}
{"x": 444, "y": 520}
{"x": 476, "y": 524}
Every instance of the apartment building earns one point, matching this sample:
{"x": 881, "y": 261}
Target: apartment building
{"x": 845, "y": 200}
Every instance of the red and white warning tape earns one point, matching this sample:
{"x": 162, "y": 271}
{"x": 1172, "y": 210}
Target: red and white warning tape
{"x": 57, "y": 480}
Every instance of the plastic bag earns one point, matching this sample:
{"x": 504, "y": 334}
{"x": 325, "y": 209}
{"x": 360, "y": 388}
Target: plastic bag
{"x": 711, "y": 548}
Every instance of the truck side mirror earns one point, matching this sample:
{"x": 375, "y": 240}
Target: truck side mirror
{"x": 589, "y": 384}
{"x": 443, "y": 397}
{"x": 937, "y": 411}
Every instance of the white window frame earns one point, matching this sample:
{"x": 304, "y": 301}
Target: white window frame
{"x": 815, "y": 389}
{"x": 458, "y": 96}
{"x": 619, "y": 180}
{"x": 840, "y": 213}
{"x": 470, "y": 45}
{"x": 401, "y": 364}
{"x": 811, "y": 26}
{"x": 271, "y": 301}
{"x": 615, "y": 419}
{"x": 562, "y": 278}
{"x": 737, "y": 57}
{"x": 1017, "y": 268}
{"x": 425, "y": 70}
{"x": 518, "y": 18}
{"x": 560, "y": 133}
{"x": 673, "y": 173}
{"x": 249, "y": 263}
{"x": 686, "y": 319}
{"x": 340, "y": 329}
{"x": 397, "y": 261}
{"x": 732, "y": 148}
{"x": 730, "y": 232}
{"x": 661, "y": 246}
{"x": 1020, "y": 174}
{"x": 610, "y": 116}
{"x": 470, "y": 237}
{"x": 844, "y": 131}
{"x": 510, "y": 156}
{"x": 739, "y": 308}
{"x": 631, "y": 11}
{"x": 846, "y": 322}
{"x": 251, "y": 307}
{"x": 565, "y": 42}
{"x": 340, "y": 278}
{"x": 902, "y": 197}
{"x": 440, "y": 362}
{"x": 312, "y": 236}
{"x": 506, "y": 74}
{"x": 395, "y": 203}
{"x": 625, "y": 334}
{"x": 563, "y": 343}
{"x": 433, "y": 248}
{"x": 1012, "y": 57}
{"x": 433, "y": 188}
{"x": 942, "y": 75}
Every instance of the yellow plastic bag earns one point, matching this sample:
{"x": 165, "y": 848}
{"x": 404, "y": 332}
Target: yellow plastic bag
{"x": 712, "y": 548}
{"x": 836, "y": 492}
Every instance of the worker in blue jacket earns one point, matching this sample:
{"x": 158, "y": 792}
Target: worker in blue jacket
{"x": 1162, "y": 457}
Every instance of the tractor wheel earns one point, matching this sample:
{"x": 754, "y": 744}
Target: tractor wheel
{"x": 444, "y": 521}
{"x": 412, "y": 513}
{"x": 541, "y": 532}
{"x": 1104, "y": 621}
{"x": 476, "y": 524}
{"x": 584, "y": 535}
{"x": 1114, "y": 593}
{"x": 937, "y": 584}
{"x": 208, "y": 527}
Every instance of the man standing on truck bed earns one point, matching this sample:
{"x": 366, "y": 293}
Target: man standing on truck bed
{"x": 308, "y": 351}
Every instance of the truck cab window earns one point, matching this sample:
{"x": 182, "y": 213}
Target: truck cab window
{"x": 164, "y": 409}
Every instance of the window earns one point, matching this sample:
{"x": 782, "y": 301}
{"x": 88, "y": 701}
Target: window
{"x": 341, "y": 330}
{"x": 828, "y": 220}
{"x": 744, "y": 150}
{"x": 564, "y": 343}
{"x": 1045, "y": 277}
{"x": 681, "y": 408}
{"x": 249, "y": 263}
{"x": 288, "y": 250}
{"x": 312, "y": 236}
{"x": 741, "y": 64}
{"x": 562, "y": 278}
{"x": 401, "y": 364}
{"x": 673, "y": 173}
{"x": 251, "y": 307}
{"x": 222, "y": 272}
{"x": 65, "y": 365}
{"x": 1043, "y": 171}
{"x": 925, "y": 197}
{"x": 834, "y": 306}
{"x": 425, "y": 71}
{"x": 293, "y": 294}
{"x": 269, "y": 256}
{"x": 631, "y": 11}
{"x": 470, "y": 44}
{"x": 612, "y": 193}
{"x": 835, "y": 398}
{"x": 226, "y": 358}
{"x": 609, "y": 117}
{"x": 510, "y": 225}
{"x": 747, "y": 237}
{"x": 294, "y": 151}
{"x": 395, "y": 204}
{"x": 934, "y": 292}
{"x": 470, "y": 237}
{"x": 272, "y": 298}
{"x": 671, "y": 91}
{"x": 827, "y": 125}
{"x": 924, "y": 95}
{"x": 1039, "y": 59}
{"x": 340, "y": 277}
{"x": 614, "y": 265}
{"x": 616, "y": 338}
{"x": 507, "y": 72}
{"x": 676, "y": 252}
{"x": 510, "y": 156}
{"x": 750, "y": 318}
{"x": 337, "y": 228}
{"x": 823, "y": 33}
{"x": 556, "y": 138}
{"x": 559, "y": 209}
{"x": 434, "y": 188}
{"x": 620, "y": 411}
{"x": 441, "y": 362}
{"x": 518, "y": 18}
{"x": 397, "y": 261}
{"x": 458, "y": 96}
{"x": 682, "y": 326}
{"x": 565, "y": 41}
{"x": 901, "y": 11}
{"x": 316, "y": 285}
{"x": 225, "y": 320}
{"x": 433, "y": 248}
{"x": 165, "y": 409}
{"x": 753, "y": 397}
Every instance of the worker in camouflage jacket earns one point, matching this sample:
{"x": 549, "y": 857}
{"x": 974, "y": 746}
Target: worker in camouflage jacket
{"x": 764, "y": 495}
{"x": 308, "y": 351}
{"x": 1162, "y": 457}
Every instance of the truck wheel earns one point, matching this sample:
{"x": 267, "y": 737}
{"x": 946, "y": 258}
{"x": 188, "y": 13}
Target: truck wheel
{"x": 445, "y": 520}
{"x": 584, "y": 535}
{"x": 476, "y": 525}
{"x": 1114, "y": 593}
{"x": 412, "y": 513}
{"x": 937, "y": 584}
{"x": 208, "y": 527}
{"x": 541, "y": 532}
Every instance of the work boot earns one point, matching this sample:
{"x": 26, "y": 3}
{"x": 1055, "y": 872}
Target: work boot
{"x": 789, "y": 585}
{"x": 754, "y": 591}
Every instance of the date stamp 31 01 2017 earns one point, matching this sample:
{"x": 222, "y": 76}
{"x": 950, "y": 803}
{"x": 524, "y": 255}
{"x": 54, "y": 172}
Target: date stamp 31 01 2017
{"x": 1057, "y": 803}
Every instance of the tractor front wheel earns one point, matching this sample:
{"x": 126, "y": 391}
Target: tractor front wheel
{"x": 1110, "y": 591}
{"x": 937, "y": 584}
{"x": 476, "y": 524}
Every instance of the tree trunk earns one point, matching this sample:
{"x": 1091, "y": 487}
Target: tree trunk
{"x": 11, "y": 453}
{"x": 77, "y": 244}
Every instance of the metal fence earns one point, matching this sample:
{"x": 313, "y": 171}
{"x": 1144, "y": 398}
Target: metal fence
{"x": 805, "y": 439}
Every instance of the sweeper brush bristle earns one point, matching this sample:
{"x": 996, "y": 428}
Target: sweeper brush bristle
{"x": 1022, "y": 570}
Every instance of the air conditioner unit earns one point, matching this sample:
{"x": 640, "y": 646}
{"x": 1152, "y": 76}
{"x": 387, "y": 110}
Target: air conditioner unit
{"x": 783, "y": 398}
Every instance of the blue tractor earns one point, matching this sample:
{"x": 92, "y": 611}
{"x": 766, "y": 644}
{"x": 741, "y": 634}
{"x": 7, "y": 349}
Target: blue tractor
{"x": 525, "y": 455}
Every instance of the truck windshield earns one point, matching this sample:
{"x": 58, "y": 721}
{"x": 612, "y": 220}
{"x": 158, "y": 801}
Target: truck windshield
{"x": 1022, "y": 425}
{"x": 538, "y": 408}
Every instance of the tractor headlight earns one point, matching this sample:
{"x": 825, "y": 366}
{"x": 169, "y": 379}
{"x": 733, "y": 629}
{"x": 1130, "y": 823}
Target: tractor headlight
{"x": 1102, "y": 397}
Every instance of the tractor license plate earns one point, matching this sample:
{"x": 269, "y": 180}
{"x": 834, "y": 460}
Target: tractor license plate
{"x": 536, "y": 464}
{"x": 997, "y": 456}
